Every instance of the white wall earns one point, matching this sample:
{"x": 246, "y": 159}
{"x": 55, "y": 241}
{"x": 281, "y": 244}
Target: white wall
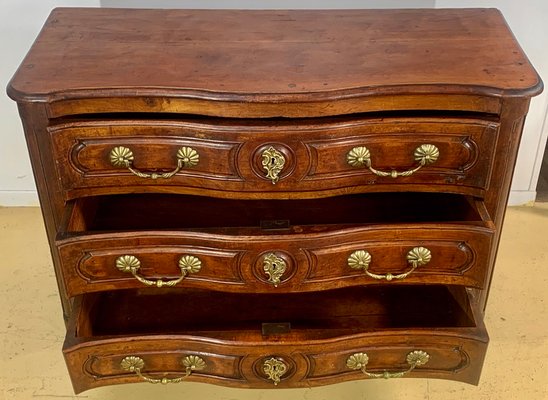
{"x": 529, "y": 22}
{"x": 270, "y": 4}
{"x": 21, "y": 20}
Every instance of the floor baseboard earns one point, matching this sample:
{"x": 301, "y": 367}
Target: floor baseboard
{"x": 18, "y": 198}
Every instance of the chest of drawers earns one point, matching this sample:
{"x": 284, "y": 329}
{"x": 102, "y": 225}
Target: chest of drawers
{"x": 273, "y": 198}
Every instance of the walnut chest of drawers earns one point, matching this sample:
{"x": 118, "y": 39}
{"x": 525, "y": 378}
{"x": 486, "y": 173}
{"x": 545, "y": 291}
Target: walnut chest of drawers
{"x": 273, "y": 198}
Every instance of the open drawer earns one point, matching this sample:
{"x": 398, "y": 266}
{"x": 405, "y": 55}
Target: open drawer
{"x": 288, "y": 340}
{"x": 132, "y": 241}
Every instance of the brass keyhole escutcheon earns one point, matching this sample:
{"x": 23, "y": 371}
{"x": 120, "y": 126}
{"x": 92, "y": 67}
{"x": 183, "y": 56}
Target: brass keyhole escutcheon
{"x": 274, "y": 369}
{"x": 273, "y": 162}
{"x": 274, "y": 267}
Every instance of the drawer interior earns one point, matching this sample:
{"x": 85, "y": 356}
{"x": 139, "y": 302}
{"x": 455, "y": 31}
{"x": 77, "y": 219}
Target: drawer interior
{"x": 168, "y": 212}
{"x": 304, "y": 316}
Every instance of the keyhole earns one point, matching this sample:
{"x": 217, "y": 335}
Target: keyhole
{"x": 274, "y": 266}
{"x": 272, "y": 161}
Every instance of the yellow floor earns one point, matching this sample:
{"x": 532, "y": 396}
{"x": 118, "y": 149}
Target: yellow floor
{"x": 31, "y": 365}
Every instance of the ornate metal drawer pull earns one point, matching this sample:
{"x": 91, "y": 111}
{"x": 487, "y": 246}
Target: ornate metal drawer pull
{"x": 424, "y": 154}
{"x": 273, "y": 162}
{"x": 358, "y": 361}
{"x": 274, "y": 369}
{"x": 131, "y": 264}
{"x": 136, "y": 364}
{"x": 123, "y": 157}
{"x": 274, "y": 267}
{"x": 416, "y": 257}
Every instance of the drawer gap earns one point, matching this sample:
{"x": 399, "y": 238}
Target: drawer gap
{"x": 317, "y": 315}
{"x": 225, "y": 216}
{"x": 268, "y": 121}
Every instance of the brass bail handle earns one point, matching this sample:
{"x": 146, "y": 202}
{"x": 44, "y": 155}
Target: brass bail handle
{"x": 123, "y": 157}
{"x": 425, "y": 154}
{"x": 359, "y": 361}
{"x": 416, "y": 257}
{"x": 188, "y": 265}
{"x": 136, "y": 364}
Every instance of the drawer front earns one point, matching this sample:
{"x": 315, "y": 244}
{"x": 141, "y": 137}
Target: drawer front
{"x": 419, "y": 356}
{"x": 421, "y": 253}
{"x": 269, "y": 364}
{"x": 242, "y": 160}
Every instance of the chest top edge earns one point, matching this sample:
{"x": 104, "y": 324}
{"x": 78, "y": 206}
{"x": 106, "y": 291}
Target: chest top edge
{"x": 272, "y": 56}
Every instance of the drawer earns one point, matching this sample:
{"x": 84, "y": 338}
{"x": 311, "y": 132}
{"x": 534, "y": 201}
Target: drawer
{"x": 274, "y": 158}
{"x": 262, "y": 341}
{"x": 275, "y": 246}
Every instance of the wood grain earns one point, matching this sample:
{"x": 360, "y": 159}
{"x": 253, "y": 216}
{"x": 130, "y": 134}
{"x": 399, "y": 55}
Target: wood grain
{"x": 313, "y": 84}
{"x": 315, "y": 151}
{"x": 271, "y": 56}
{"x": 336, "y": 325}
{"x": 159, "y": 229}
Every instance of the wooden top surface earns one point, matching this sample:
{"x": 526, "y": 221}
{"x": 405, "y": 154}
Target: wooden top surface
{"x": 272, "y": 55}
